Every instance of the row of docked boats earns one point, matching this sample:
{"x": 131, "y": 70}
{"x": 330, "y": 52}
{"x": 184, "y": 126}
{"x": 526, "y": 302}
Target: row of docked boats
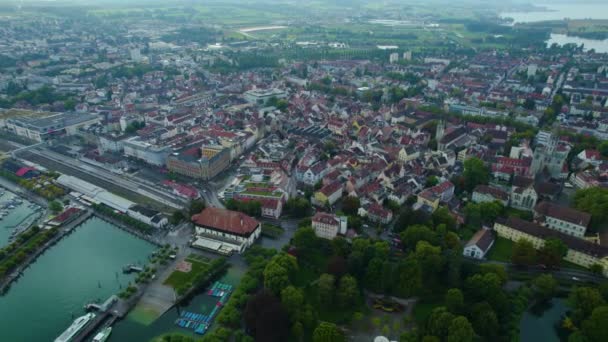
{"x": 78, "y": 325}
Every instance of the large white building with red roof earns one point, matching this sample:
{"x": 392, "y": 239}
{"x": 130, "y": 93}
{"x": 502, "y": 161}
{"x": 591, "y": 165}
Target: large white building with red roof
{"x": 225, "y": 231}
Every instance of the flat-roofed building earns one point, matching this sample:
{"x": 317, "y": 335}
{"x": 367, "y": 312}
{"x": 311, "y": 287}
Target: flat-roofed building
{"x": 198, "y": 162}
{"x": 146, "y": 151}
{"x": 261, "y": 96}
{"x": 41, "y": 128}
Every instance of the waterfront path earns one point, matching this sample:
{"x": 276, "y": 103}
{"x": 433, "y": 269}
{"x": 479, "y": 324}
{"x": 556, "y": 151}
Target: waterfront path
{"x": 17, "y": 189}
{"x": 63, "y": 231}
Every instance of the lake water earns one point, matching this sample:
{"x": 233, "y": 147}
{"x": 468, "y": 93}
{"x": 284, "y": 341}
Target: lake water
{"x": 560, "y": 11}
{"x": 600, "y": 46}
{"x": 15, "y": 216}
{"x": 84, "y": 266}
{"x": 541, "y": 326}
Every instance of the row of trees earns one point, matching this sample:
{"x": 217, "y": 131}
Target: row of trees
{"x": 130, "y": 221}
{"x": 251, "y": 208}
{"x": 27, "y": 243}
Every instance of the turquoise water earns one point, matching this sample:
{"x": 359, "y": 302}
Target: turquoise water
{"x": 84, "y": 266}
{"x": 541, "y": 326}
{"x": 14, "y": 218}
{"x": 130, "y": 329}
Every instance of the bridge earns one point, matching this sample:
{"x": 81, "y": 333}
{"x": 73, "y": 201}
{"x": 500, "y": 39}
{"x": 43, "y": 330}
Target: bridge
{"x": 102, "y": 307}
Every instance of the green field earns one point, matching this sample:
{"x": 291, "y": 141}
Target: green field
{"x": 501, "y": 251}
{"x": 178, "y": 279}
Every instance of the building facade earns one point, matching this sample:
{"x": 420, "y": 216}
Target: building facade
{"x": 580, "y": 251}
{"x": 225, "y": 231}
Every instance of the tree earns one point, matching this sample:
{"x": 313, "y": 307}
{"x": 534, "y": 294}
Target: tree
{"x": 584, "y": 300}
{"x": 475, "y": 173}
{"x": 298, "y": 207}
{"x": 337, "y": 266}
{"x": 55, "y": 206}
{"x": 196, "y": 207}
{"x": 497, "y": 269}
{"x": 266, "y": 318}
{"x": 276, "y": 277}
{"x": 486, "y": 287}
{"x": 523, "y": 253}
{"x": 603, "y": 148}
{"x": 373, "y": 275}
{"x": 529, "y": 104}
{"x": 350, "y": 205}
{"x": 431, "y": 181}
{"x": 596, "y": 327}
{"x": 414, "y": 234}
{"x": 454, "y": 301}
{"x": 460, "y": 330}
{"x": 545, "y": 287}
{"x": 597, "y": 269}
{"x": 443, "y": 216}
{"x": 409, "y": 277}
{"x": 305, "y": 240}
{"x": 439, "y": 322}
{"x": 326, "y": 285}
{"x": 485, "y": 321}
{"x": 595, "y": 202}
{"x": 327, "y": 332}
{"x": 292, "y": 299}
{"x": 348, "y": 291}
{"x": 431, "y": 262}
{"x": 177, "y": 217}
{"x": 552, "y": 252}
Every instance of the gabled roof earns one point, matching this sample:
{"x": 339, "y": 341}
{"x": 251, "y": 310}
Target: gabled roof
{"x": 563, "y": 213}
{"x": 224, "y": 220}
{"x": 494, "y": 192}
{"x": 482, "y": 239}
{"x": 574, "y": 243}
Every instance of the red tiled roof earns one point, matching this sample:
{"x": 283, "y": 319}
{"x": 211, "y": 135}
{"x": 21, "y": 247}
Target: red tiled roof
{"x": 332, "y": 188}
{"x": 224, "y": 220}
{"x": 325, "y": 218}
{"x": 64, "y": 216}
{"x": 22, "y": 171}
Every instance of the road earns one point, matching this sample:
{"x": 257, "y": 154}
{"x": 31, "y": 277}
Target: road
{"x": 563, "y": 273}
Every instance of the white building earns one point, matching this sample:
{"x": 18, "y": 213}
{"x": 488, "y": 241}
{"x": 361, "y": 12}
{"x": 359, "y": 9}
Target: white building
{"x": 328, "y": 226}
{"x": 261, "y": 96}
{"x": 42, "y": 128}
{"x": 148, "y": 216}
{"x": 393, "y": 57}
{"x": 225, "y": 231}
{"x": 150, "y": 153}
{"x": 563, "y": 219}
{"x": 479, "y": 245}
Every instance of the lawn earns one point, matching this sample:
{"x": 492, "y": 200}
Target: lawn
{"x": 178, "y": 278}
{"x": 422, "y": 310}
{"x": 501, "y": 251}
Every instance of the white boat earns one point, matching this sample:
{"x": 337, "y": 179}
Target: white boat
{"x": 78, "y": 324}
{"x": 103, "y": 335}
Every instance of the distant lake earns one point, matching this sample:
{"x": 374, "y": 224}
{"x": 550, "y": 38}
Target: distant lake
{"x": 559, "y": 12}
{"x": 600, "y": 46}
